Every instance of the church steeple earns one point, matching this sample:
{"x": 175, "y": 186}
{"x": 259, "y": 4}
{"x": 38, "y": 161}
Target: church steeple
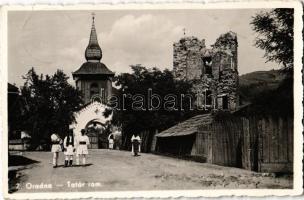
{"x": 93, "y": 51}
{"x": 93, "y": 77}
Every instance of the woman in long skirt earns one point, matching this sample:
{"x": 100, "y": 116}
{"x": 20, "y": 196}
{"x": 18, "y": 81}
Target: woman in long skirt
{"x": 69, "y": 149}
{"x": 56, "y": 148}
{"x": 82, "y": 142}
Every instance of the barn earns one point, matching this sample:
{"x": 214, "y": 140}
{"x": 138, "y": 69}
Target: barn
{"x": 181, "y": 139}
{"x": 258, "y": 143}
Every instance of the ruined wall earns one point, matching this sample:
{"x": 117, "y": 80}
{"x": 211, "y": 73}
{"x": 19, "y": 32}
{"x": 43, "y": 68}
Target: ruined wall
{"x": 225, "y": 68}
{"x": 209, "y": 69}
{"x": 187, "y": 63}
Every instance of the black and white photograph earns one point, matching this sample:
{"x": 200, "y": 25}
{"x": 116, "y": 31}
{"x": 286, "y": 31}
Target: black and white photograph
{"x": 129, "y": 99}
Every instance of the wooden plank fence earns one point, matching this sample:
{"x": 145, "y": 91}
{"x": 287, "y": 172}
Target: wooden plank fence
{"x": 147, "y": 137}
{"x": 224, "y": 143}
{"x": 261, "y": 144}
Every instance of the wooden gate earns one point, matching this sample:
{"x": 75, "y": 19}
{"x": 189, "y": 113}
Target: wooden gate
{"x": 276, "y": 144}
{"x": 93, "y": 137}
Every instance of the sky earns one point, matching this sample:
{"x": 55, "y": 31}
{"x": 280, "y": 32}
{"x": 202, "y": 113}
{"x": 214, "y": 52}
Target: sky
{"x": 51, "y": 40}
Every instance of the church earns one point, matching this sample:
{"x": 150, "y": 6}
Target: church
{"x": 94, "y": 80}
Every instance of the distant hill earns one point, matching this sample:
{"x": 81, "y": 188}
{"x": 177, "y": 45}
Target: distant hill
{"x": 255, "y": 82}
{"x": 271, "y": 78}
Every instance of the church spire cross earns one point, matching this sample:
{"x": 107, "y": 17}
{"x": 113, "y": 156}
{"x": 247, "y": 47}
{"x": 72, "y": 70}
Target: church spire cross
{"x": 93, "y": 51}
{"x": 93, "y": 19}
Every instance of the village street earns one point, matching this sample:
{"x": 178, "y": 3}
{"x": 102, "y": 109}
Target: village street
{"x": 118, "y": 170}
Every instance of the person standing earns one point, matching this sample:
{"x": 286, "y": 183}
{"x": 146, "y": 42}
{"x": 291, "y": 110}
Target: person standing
{"x": 117, "y": 137}
{"x": 69, "y": 149}
{"x": 135, "y": 144}
{"x": 111, "y": 141}
{"x": 82, "y": 142}
{"x": 56, "y": 148}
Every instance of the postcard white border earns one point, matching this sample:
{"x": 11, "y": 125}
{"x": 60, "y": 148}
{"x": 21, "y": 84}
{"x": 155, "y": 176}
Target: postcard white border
{"x": 298, "y": 96}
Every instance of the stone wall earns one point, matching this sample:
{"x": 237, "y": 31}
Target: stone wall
{"x": 213, "y": 69}
{"x": 187, "y": 63}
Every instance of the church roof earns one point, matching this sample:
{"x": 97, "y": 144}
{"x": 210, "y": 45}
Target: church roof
{"x": 93, "y": 51}
{"x": 96, "y": 68}
{"x": 93, "y": 55}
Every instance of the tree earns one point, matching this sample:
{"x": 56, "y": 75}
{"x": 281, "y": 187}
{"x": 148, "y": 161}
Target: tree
{"x": 136, "y": 86}
{"x": 275, "y": 29}
{"x": 50, "y": 103}
{"x": 275, "y": 36}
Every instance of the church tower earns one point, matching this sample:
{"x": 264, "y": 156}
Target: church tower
{"x": 93, "y": 78}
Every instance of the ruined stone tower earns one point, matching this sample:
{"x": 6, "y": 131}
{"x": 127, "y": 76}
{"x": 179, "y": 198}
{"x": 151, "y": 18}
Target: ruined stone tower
{"x": 213, "y": 72}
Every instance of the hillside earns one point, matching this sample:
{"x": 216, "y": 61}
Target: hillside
{"x": 253, "y": 83}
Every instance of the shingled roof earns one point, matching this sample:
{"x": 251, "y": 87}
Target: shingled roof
{"x": 187, "y": 127}
{"x": 93, "y": 68}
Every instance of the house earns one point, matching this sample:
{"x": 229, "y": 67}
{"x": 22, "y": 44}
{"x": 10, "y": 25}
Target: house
{"x": 258, "y": 143}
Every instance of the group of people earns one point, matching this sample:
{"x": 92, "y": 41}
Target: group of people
{"x": 79, "y": 145}
{"x": 70, "y": 146}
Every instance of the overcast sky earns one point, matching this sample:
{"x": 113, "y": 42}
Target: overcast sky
{"x": 48, "y": 40}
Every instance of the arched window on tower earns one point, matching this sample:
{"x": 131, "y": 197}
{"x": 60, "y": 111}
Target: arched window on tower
{"x": 94, "y": 90}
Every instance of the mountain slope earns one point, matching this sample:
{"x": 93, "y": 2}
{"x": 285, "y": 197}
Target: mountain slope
{"x": 254, "y": 83}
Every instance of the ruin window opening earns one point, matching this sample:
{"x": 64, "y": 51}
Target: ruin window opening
{"x": 232, "y": 63}
{"x": 208, "y": 65}
{"x": 225, "y": 102}
{"x": 208, "y": 98}
{"x": 220, "y": 74}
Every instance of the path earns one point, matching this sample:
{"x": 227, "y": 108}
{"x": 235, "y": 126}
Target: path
{"x": 118, "y": 170}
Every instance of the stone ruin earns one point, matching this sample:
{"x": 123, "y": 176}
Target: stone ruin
{"x": 213, "y": 72}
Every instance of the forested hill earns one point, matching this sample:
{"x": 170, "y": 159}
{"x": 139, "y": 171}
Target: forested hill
{"x": 254, "y": 83}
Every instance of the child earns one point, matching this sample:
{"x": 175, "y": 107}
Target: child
{"x": 82, "y": 142}
{"x": 135, "y": 144}
{"x": 56, "y": 148}
{"x": 69, "y": 149}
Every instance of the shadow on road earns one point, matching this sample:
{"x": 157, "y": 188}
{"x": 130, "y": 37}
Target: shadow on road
{"x": 17, "y": 160}
{"x": 15, "y": 164}
{"x": 86, "y": 165}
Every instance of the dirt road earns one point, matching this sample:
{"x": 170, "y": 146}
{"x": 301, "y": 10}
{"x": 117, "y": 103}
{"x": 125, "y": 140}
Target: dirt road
{"x": 118, "y": 170}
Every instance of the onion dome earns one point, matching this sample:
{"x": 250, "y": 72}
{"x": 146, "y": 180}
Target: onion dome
{"x": 93, "y": 68}
{"x": 93, "y": 51}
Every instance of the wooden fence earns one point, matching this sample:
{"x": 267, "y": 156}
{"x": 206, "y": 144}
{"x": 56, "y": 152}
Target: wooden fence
{"x": 275, "y": 144}
{"x": 220, "y": 142}
{"x": 261, "y": 144}
{"x": 147, "y": 139}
